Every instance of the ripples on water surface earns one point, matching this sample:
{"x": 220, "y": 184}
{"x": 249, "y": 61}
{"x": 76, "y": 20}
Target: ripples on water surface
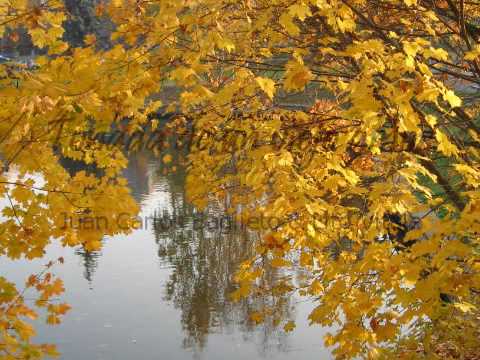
{"x": 163, "y": 293}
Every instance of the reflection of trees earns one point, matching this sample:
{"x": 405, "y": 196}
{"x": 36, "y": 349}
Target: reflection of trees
{"x": 89, "y": 260}
{"x": 204, "y": 260}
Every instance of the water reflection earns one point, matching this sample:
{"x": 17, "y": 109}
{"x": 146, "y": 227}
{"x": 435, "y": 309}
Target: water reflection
{"x": 89, "y": 261}
{"x": 204, "y": 259}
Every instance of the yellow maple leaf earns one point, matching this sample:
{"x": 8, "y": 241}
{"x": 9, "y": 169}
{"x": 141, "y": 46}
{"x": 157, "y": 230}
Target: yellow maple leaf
{"x": 300, "y": 10}
{"x": 444, "y": 144}
{"x": 267, "y": 85}
{"x": 452, "y": 99}
{"x": 289, "y": 326}
{"x": 297, "y": 76}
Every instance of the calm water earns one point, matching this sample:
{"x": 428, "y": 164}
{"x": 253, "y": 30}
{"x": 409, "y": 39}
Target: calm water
{"x": 162, "y": 293}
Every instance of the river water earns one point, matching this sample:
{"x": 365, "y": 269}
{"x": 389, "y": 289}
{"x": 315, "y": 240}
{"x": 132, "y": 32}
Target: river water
{"x": 162, "y": 292}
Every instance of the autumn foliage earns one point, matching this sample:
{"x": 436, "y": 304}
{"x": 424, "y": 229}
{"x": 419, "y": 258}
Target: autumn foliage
{"x": 355, "y": 122}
